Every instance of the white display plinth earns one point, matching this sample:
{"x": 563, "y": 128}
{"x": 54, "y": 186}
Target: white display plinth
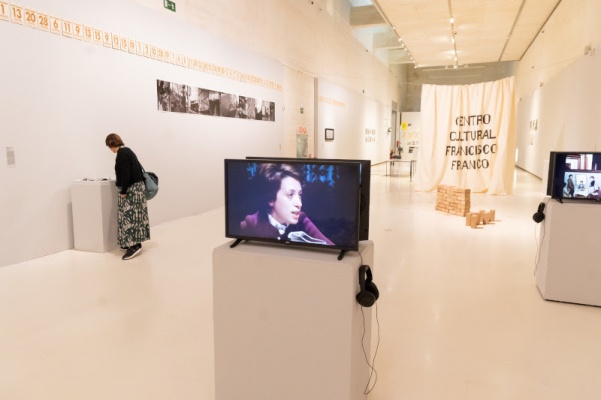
{"x": 569, "y": 268}
{"x": 94, "y": 215}
{"x": 287, "y": 325}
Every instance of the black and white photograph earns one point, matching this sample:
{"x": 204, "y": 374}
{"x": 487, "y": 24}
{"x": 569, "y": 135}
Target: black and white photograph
{"x": 175, "y": 97}
{"x": 163, "y": 93}
{"x": 214, "y": 103}
{"x": 178, "y": 96}
{"x": 242, "y": 110}
{"x": 228, "y": 105}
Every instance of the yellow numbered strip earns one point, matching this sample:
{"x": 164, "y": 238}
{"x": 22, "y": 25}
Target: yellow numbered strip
{"x": 78, "y": 31}
{"x": 116, "y": 41}
{"x": 88, "y": 33}
{"x": 55, "y": 25}
{"x": 43, "y": 22}
{"x": 106, "y": 39}
{"x": 4, "y": 11}
{"x": 67, "y": 28}
{"x": 31, "y": 18}
{"x": 123, "y": 43}
{"x": 97, "y": 36}
{"x": 16, "y": 14}
{"x": 131, "y": 46}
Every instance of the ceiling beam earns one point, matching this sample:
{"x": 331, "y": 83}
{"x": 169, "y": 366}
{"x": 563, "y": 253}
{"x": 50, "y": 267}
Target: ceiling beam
{"x": 387, "y": 40}
{"x": 399, "y": 56}
{"x": 366, "y": 16}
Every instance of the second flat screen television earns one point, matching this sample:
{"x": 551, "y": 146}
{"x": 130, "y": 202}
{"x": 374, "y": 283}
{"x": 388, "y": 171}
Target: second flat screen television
{"x": 574, "y": 175}
{"x": 311, "y": 203}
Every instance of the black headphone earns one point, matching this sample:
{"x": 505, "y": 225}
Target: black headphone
{"x": 369, "y": 293}
{"x": 539, "y": 215}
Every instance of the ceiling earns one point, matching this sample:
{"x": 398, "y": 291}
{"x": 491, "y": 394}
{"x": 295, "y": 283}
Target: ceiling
{"x": 420, "y": 31}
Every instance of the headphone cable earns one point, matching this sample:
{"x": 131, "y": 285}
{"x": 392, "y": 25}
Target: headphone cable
{"x": 538, "y": 245}
{"x": 373, "y": 373}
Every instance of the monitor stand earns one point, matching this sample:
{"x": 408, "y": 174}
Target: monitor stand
{"x": 235, "y": 243}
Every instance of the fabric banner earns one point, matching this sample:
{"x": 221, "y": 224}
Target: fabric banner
{"x": 468, "y": 137}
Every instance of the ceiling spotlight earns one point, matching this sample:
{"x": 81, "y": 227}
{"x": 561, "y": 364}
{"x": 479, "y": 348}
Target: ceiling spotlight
{"x": 393, "y": 28}
{"x": 452, "y": 19}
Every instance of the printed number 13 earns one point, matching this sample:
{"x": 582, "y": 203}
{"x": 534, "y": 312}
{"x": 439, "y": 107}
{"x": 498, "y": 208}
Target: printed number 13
{"x": 16, "y": 13}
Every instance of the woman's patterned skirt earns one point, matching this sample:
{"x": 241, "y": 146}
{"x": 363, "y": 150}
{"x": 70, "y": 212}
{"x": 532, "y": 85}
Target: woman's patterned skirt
{"x": 132, "y": 216}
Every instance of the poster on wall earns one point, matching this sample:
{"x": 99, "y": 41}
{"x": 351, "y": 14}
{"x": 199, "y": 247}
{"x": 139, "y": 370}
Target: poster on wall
{"x": 302, "y": 145}
{"x": 408, "y": 145}
{"x": 468, "y": 137}
{"x": 180, "y": 98}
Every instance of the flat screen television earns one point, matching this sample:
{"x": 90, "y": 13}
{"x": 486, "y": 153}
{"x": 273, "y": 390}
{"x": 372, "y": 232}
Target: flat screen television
{"x": 574, "y": 175}
{"x": 364, "y": 183}
{"x": 312, "y": 203}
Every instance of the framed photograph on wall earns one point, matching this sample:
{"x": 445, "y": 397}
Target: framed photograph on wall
{"x": 329, "y": 134}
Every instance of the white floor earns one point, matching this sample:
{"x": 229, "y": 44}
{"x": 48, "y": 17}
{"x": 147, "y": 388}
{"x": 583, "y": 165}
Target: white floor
{"x": 460, "y": 315}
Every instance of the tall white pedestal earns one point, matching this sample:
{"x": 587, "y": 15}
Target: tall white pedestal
{"x": 94, "y": 215}
{"x": 287, "y": 325}
{"x": 569, "y": 269}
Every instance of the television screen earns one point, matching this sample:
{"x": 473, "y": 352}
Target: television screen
{"x": 364, "y": 182}
{"x": 574, "y": 175}
{"x": 307, "y": 203}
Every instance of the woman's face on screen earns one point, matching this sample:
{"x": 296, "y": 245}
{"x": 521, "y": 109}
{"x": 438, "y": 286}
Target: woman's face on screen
{"x": 287, "y": 204}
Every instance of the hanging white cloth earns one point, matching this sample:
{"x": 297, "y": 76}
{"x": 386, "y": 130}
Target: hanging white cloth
{"x": 468, "y": 137}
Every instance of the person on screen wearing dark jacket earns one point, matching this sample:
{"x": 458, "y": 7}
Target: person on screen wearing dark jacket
{"x": 282, "y": 218}
{"x": 132, "y": 212}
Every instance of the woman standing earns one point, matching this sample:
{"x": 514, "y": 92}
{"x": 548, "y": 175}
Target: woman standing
{"x": 132, "y": 212}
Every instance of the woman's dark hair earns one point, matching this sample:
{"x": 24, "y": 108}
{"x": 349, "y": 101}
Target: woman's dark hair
{"x": 114, "y": 140}
{"x": 270, "y": 180}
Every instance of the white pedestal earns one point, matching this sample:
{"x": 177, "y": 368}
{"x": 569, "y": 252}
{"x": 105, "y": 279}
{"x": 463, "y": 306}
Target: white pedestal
{"x": 287, "y": 325}
{"x": 569, "y": 269}
{"x": 94, "y": 215}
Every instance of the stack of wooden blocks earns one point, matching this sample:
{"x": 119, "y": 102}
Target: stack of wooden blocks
{"x": 480, "y": 218}
{"x": 453, "y": 200}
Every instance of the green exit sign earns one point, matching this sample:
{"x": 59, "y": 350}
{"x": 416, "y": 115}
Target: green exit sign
{"x": 169, "y": 5}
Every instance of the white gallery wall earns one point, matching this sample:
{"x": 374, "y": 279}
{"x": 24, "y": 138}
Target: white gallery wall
{"x": 61, "y": 96}
{"x": 562, "y": 115}
{"x": 360, "y": 124}
{"x": 299, "y": 112}
{"x": 558, "y": 86}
